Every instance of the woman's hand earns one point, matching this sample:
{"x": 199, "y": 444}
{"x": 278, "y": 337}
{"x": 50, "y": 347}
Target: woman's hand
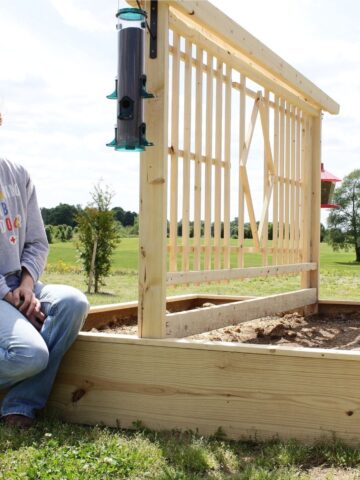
{"x": 23, "y": 298}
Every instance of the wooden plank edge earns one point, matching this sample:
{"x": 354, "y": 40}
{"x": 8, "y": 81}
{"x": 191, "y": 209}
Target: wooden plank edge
{"x": 174, "y": 298}
{"x": 176, "y": 278}
{"x": 184, "y": 324}
{"x": 89, "y": 337}
{"x": 214, "y": 20}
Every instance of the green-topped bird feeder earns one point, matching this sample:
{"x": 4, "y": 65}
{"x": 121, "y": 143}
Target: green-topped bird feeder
{"x": 130, "y": 84}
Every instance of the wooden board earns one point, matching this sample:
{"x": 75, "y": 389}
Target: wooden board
{"x": 177, "y": 278}
{"x": 248, "y": 391}
{"x": 153, "y": 192}
{"x": 257, "y": 55}
{"x": 184, "y": 324}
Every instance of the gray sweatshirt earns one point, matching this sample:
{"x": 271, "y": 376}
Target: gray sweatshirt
{"x": 23, "y": 240}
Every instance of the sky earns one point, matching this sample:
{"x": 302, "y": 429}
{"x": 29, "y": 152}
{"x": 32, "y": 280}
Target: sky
{"x": 58, "y": 63}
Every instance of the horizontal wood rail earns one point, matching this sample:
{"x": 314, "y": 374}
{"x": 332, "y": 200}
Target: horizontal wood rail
{"x": 258, "y": 56}
{"x": 235, "y": 85}
{"x": 188, "y": 323}
{"x": 176, "y": 278}
{"x": 227, "y": 54}
{"x": 232, "y": 249}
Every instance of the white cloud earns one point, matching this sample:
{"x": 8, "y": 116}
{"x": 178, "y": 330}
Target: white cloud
{"x": 76, "y": 15}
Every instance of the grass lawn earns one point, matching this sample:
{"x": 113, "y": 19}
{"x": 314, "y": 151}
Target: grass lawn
{"x": 57, "y": 451}
{"x": 340, "y": 275}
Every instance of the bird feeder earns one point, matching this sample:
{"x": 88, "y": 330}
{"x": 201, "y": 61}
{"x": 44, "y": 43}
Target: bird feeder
{"x": 328, "y": 182}
{"x": 130, "y": 85}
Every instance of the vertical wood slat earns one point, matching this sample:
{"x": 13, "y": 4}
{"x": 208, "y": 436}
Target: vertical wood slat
{"x": 186, "y": 158}
{"x": 306, "y": 198}
{"x": 264, "y": 240}
{"x": 297, "y": 187}
{"x": 198, "y": 154}
{"x": 240, "y": 259}
{"x": 227, "y": 167}
{"x": 284, "y": 186}
{"x": 292, "y": 184}
{"x": 282, "y": 183}
{"x": 276, "y": 184}
{"x": 287, "y": 186}
{"x": 218, "y": 158}
{"x": 153, "y": 192}
{"x": 208, "y": 165}
{"x": 174, "y": 154}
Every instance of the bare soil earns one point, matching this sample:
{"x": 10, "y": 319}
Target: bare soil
{"x": 337, "y": 331}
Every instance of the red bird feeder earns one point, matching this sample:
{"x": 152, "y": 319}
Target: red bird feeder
{"x": 328, "y": 181}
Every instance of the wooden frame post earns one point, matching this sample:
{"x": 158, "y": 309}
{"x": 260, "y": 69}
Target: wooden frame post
{"x": 313, "y": 278}
{"x": 316, "y": 196}
{"x": 153, "y": 190}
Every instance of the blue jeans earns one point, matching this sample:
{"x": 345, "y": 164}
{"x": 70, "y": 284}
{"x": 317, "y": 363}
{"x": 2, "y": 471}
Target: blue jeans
{"x": 29, "y": 360}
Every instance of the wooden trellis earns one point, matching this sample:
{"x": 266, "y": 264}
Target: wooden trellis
{"x": 214, "y": 85}
{"x": 219, "y": 93}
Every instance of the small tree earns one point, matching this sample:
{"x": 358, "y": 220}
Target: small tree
{"x": 98, "y": 236}
{"x": 344, "y": 222}
{"x": 49, "y": 233}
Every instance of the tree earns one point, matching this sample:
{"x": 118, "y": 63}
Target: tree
{"x": 98, "y": 236}
{"x": 49, "y": 233}
{"x": 62, "y": 214}
{"x": 344, "y": 222}
{"x": 126, "y": 218}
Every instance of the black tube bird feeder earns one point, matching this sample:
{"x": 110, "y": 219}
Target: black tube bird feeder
{"x": 130, "y": 85}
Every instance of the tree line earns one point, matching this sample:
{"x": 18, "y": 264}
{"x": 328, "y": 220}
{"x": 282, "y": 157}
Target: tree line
{"x": 61, "y": 222}
{"x": 99, "y": 227}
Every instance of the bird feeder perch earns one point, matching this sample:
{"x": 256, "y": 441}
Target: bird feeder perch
{"x": 328, "y": 182}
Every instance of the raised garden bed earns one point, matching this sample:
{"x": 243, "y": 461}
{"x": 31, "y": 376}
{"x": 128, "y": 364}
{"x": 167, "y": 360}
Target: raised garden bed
{"x": 240, "y": 388}
{"x": 335, "y": 330}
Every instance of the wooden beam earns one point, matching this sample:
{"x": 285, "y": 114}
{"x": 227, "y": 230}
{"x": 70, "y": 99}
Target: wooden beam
{"x": 173, "y": 150}
{"x": 256, "y": 55}
{"x": 208, "y": 165}
{"x": 263, "y": 225}
{"x": 250, "y": 391}
{"x": 198, "y": 157}
{"x": 276, "y": 183}
{"x": 281, "y": 186}
{"x": 153, "y": 191}
{"x": 263, "y": 109}
{"x": 227, "y": 168}
{"x": 247, "y": 192}
{"x": 244, "y": 153}
{"x": 177, "y": 278}
{"x": 206, "y": 319}
{"x": 315, "y": 202}
{"x": 241, "y": 210}
{"x": 236, "y": 85}
{"x": 231, "y": 56}
{"x": 306, "y": 173}
{"x": 218, "y": 156}
{"x": 185, "y": 234}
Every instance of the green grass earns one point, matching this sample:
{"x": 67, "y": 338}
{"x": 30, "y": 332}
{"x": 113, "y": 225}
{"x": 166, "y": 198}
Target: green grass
{"x": 54, "y": 450}
{"x": 340, "y": 275}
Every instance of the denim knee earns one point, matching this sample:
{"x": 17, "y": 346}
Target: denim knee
{"x": 27, "y": 361}
{"x": 79, "y": 305}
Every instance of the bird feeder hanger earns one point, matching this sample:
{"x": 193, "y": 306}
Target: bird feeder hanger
{"x": 328, "y": 182}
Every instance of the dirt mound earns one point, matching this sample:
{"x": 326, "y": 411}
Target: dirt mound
{"x": 338, "y": 331}
{"x": 316, "y": 331}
